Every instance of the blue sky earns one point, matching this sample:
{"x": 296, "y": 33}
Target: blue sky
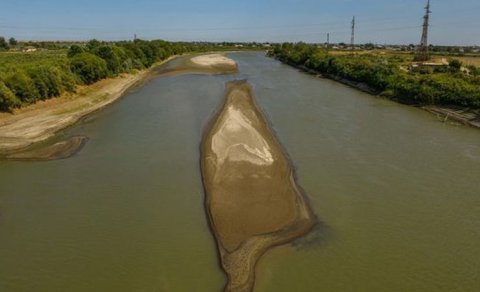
{"x": 379, "y": 21}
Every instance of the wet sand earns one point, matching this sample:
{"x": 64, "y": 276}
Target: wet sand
{"x": 60, "y": 150}
{"x": 252, "y": 199}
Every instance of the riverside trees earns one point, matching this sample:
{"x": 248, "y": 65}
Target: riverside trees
{"x": 383, "y": 74}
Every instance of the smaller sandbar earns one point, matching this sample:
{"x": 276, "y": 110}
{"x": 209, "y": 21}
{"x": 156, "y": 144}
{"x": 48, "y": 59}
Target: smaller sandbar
{"x": 60, "y": 150}
{"x": 210, "y": 64}
{"x": 213, "y": 60}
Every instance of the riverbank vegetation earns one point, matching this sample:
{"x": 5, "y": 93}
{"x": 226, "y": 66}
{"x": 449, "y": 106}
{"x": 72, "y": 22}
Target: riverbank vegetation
{"x": 389, "y": 75}
{"x": 51, "y": 69}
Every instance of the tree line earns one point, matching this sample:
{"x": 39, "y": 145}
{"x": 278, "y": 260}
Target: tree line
{"x": 443, "y": 86}
{"x": 27, "y": 78}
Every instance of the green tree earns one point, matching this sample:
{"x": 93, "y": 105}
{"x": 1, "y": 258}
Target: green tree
{"x": 8, "y": 100}
{"x": 47, "y": 80}
{"x": 455, "y": 65}
{"x": 474, "y": 71}
{"x": 13, "y": 42}
{"x": 93, "y": 44}
{"x": 3, "y": 44}
{"x": 88, "y": 67}
{"x": 111, "y": 57}
{"x": 75, "y": 50}
{"x": 22, "y": 86}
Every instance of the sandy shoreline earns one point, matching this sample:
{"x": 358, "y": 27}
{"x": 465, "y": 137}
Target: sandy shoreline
{"x": 252, "y": 199}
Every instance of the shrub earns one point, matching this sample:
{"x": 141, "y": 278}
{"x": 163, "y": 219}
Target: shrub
{"x": 8, "y": 100}
{"x": 22, "y": 86}
{"x": 88, "y": 67}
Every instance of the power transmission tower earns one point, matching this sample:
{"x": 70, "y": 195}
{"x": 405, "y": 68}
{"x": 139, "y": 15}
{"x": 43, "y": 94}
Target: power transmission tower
{"x": 352, "y": 39}
{"x": 423, "y": 49}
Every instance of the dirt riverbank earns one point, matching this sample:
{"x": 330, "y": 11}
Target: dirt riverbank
{"x": 252, "y": 199}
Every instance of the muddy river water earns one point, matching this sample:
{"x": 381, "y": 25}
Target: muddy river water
{"x": 396, "y": 191}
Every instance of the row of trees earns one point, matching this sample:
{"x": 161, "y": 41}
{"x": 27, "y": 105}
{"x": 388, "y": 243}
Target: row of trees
{"x": 31, "y": 79}
{"x": 4, "y": 45}
{"x": 383, "y": 74}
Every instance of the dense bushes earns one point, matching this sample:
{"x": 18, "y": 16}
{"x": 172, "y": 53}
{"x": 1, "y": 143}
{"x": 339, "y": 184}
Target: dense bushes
{"x": 22, "y": 86}
{"x": 7, "y": 98}
{"x": 88, "y": 67}
{"x": 383, "y": 73}
{"x": 51, "y": 81}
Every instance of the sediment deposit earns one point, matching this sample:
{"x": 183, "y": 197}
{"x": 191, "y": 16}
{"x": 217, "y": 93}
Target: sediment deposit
{"x": 59, "y": 150}
{"x": 213, "y": 64}
{"x": 252, "y": 199}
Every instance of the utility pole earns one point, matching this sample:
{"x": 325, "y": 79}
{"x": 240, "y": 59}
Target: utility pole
{"x": 423, "y": 49}
{"x": 328, "y": 42}
{"x": 352, "y": 39}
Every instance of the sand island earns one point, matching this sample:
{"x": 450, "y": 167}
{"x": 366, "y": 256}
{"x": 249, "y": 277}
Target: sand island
{"x": 252, "y": 200}
{"x": 211, "y": 64}
{"x": 213, "y": 60}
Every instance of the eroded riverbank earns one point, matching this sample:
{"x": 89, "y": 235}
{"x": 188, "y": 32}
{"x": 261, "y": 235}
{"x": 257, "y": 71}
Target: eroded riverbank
{"x": 252, "y": 199}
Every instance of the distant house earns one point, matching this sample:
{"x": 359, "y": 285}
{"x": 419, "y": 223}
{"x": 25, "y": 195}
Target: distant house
{"x": 29, "y": 49}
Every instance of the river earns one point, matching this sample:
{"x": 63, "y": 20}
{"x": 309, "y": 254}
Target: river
{"x": 397, "y": 193}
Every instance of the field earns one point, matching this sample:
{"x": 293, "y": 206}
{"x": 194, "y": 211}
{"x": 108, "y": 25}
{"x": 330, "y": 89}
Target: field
{"x": 19, "y": 59}
{"x": 475, "y": 61}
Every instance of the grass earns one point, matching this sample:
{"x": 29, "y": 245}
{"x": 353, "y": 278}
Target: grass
{"x": 20, "y": 58}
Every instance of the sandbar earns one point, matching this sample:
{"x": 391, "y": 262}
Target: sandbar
{"x": 213, "y": 60}
{"x": 252, "y": 200}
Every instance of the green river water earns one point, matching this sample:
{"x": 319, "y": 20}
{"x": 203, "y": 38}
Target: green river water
{"x": 396, "y": 191}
